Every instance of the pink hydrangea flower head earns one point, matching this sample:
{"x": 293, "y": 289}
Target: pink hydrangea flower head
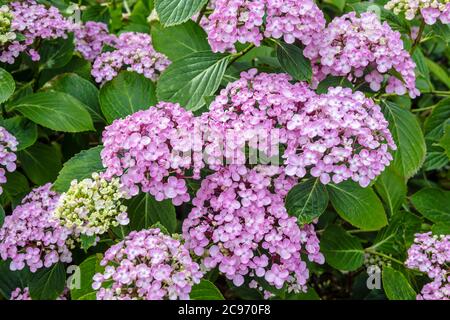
{"x": 249, "y": 21}
{"x": 337, "y": 136}
{"x": 361, "y": 46}
{"x": 24, "y": 294}
{"x": 33, "y": 21}
{"x": 239, "y": 224}
{"x": 91, "y": 37}
{"x": 151, "y": 150}
{"x": 430, "y": 10}
{"x": 147, "y": 265}
{"x": 32, "y": 236}
{"x": 8, "y": 145}
{"x": 431, "y": 255}
{"x": 133, "y": 52}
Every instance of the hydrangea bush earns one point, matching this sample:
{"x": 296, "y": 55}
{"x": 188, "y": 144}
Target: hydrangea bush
{"x": 238, "y": 149}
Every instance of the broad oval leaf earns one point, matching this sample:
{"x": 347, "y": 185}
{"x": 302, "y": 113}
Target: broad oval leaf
{"x": 433, "y": 204}
{"x": 205, "y": 290}
{"x": 10, "y": 280}
{"x": 172, "y": 12}
{"x": 7, "y": 85}
{"x": 405, "y": 129}
{"x": 293, "y": 62}
{"x": 79, "y": 167}
{"x": 55, "y": 110}
{"x": 79, "y": 88}
{"x": 392, "y": 189}
{"x": 435, "y": 123}
{"x": 48, "y": 283}
{"x": 189, "y": 80}
{"x": 185, "y": 39}
{"x": 396, "y": 286}
{"x": 342, "y": 250}
{"x": 359, "y": 206}
{"x": 125, "y": 94}
{"x": 144, "y": 212}
{"x": 307, "y": 200}
{"x": 56, "y": 53}
{"x": 41, "y": 163}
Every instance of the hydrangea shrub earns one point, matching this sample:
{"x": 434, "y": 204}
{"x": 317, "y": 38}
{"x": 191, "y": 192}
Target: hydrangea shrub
{"x": 270, "y": 149}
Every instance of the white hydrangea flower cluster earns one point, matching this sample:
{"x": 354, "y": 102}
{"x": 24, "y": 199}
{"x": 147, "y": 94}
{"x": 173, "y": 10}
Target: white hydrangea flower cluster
{"x": 92, "y": 206}
{"x": 5, "y": 25}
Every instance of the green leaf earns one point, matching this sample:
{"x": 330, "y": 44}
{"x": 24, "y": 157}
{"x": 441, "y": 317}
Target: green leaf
{"x": 41, "y": 163}
{"x": 358, "y": 206}
{"x": 189, "y": 80}
{"x": 2, "y": 216}
{"x": 445, "y": 141}
{"x": 81, "y": 284}
{"x": 144, "y": 211}
{"x": 55, "y": 110}
{"x": 48, "y": 283}
{"x": 76, "y": 65}
{"x": 172, "y": 12}
{"x": 23, "y": 129}
{"x": 436, "y": 159}
{"x": 56, "y": 53}
{"x": 435, "y": 123}
{"x": 433, "y": 204}
{"x": 7, "y": 85}
{"x": 392, "y": 188}
{"x": 205, "y": 290}
{"x": 87, "y": 241}
{"x": 307, "y": 200}
{"x": 421, "y": 64}
{"x": 438, "y": 71}
{"x": 79, "y": 167}
{"x": 14, "y": 189}
{"x": 125, "y": 94}
{"x": 10, "y": 280}
{"x": 185, "y": 39}
{"x": 340, "y": 4}
{"x": 396, "y": 286}
{"x": 293, "y": 62}
{"x": 405, "y": 129}
{"x": 342, "y": 250}
{"x": 79, "y": 88}
{"x": 441, "y": 228}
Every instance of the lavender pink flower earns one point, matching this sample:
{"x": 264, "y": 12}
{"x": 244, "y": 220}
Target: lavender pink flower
{"x": 24, "y": 294}
{"x": 363, "y": 47}
{"x": 91, "y": 37}
{"x": 31, "y": 236}
{"x": 240, "y": 225}
{"x": 150, "y": 150}
{"x": 147, "y": 265}
{"x": 249, "y": 21}
{"x": 431, "y": 255}
{"x": 133, "y": 52}
{"x": 8, "y": 145}
{"x": 34, "y": 22}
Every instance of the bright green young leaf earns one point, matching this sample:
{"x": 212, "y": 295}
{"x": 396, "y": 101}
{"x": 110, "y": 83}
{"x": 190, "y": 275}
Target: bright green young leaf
{"x": 405, "y": 129}
{"x": 79, "y": 167}
{"x": 41, "y": 163}
{"x": 205, "y": 290}
{"x": 125, "y": 94}
{"x": 396, "y": 286}
{"x": 189, "y": 80}
{"x": 144, "y": 211}
{"x": 359, "y": 206}
{"x": 433, "y": 204}
{"x": 55, "y": 110}
{"x": 342, "y": 250}
{"x": 7, "y": 85}
{"x": 23, "y": 129}
{"x": 307, "y": 200}
{"x": 172, "y": 12}
{"x": 48, "y": 283}
{"x": 185, "y": 39}
{"x": 293, "y": 62}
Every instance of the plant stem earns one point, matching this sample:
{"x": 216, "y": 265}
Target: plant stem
{"x": 418, "y": 38}
{"x": 424, "y": 108}
{"x": 241, "y": 53}
{"x": 368, "y": 250}
{"x": 201, "y": 13}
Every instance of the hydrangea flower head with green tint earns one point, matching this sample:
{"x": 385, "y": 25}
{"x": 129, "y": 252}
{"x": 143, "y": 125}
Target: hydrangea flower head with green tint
{"x": 5, "y": 25}
{"x": 430, "y": 10}
{"x": 92, "y": 206}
